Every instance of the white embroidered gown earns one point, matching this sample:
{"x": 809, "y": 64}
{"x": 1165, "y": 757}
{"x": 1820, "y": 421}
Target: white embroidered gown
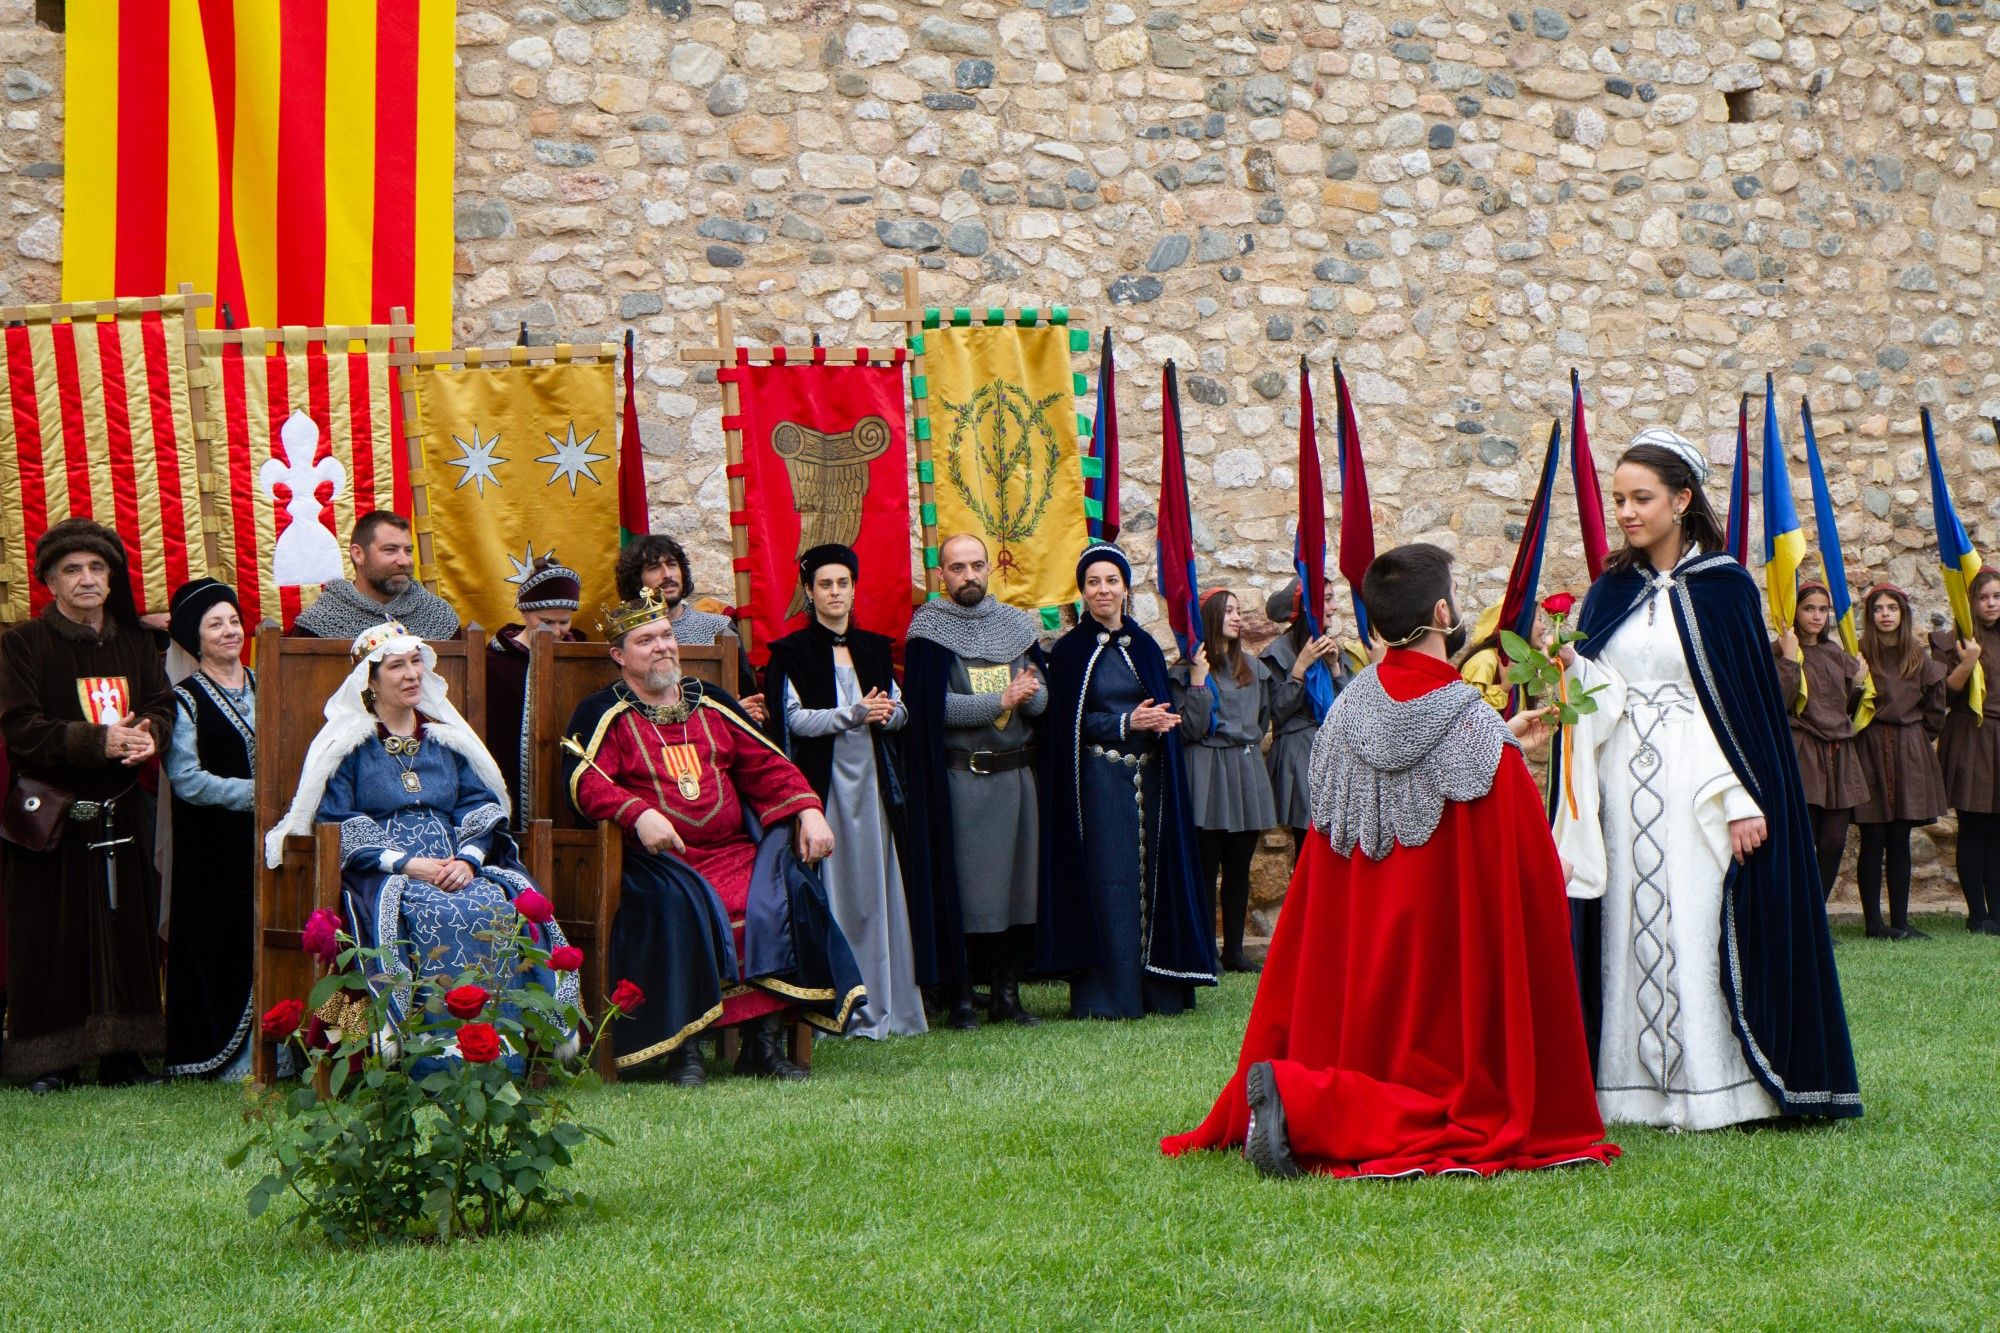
{"x": 1655, "y": 797}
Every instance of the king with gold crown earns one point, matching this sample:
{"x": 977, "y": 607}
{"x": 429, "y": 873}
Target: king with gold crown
{"x": 721, "y": 921}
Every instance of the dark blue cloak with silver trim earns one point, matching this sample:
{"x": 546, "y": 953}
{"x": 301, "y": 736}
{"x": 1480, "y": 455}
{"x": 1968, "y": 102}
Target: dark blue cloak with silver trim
{"x": 1777, "y": 957}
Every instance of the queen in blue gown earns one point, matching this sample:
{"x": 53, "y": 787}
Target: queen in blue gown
{"x": 1121, "y": 911}
{"x": 427, "y": 863}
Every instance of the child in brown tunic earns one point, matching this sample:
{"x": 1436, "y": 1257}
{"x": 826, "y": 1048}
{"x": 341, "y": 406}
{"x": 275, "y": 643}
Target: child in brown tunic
{"x": 1810, "y": 655}
{"x": 1969, "y": 752}
{"x": 1905, "y": 785}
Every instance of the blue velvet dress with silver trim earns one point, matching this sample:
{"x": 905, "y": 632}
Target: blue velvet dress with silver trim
{"x": 383, "y": 825}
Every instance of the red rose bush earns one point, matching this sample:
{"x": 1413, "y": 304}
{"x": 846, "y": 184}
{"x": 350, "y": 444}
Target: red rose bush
{"x": 434, "y": 1110}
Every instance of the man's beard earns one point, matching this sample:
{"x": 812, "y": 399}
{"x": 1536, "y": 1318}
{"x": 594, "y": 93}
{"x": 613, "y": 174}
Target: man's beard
{"x": 970, "y": 593}
{"x": 659, "y": 680}
{"x": 671, "y": 598}
{"x": 391, "y": 585}
{"x": 1454, "y": 638}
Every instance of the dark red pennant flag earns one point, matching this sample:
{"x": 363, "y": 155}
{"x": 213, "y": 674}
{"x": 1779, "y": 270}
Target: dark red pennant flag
{"x": 1517, "y": 607}
{"x": 1103, "y": 488}
{"x": 1309, "y": 545}
{"x": 1357, "y": 520}
{"x": 1589, "y": 495}
{"x": 1178, "y": 587}
{"x": 632, "y": 514}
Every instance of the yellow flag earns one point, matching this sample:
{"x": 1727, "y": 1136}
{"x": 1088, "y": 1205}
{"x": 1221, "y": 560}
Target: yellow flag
{"x": 1004, "y": 441}
{"x": 519, "y": 461}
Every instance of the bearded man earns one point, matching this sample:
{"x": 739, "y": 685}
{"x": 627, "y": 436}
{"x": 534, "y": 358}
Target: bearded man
{"x": 973, "y": 695}
{"x": 383, "y": 588}
{"x": 720, "y": 922}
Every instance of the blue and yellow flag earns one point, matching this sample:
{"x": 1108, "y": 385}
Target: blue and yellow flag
{"x": 1833, "y": 562}
{"x": 1784, "y": 536}
{"x": 1960, "y": 562}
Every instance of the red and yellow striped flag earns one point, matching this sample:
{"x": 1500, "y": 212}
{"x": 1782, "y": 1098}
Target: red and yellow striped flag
{"x": 95, "y": 422}
{"x": 295, "y": 157}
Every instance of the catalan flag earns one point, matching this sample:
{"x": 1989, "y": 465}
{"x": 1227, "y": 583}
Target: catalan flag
{"x": 1833, "y": 562}
{"x": 1784, "y": 535}
{"x": 295, "y": 157}
{"x": 1960, "y": 562}
{"x": 1589, "y": 494}
{"x": 1309, "y": 545}
{"x": 1737, "y": 537}
{"x": 1357, "y": 520}
{"x": 1178, "y": 587}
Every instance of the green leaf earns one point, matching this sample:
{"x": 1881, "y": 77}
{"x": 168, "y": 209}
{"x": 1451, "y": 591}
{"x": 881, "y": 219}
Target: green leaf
{"x": 258, "y": 1201}
{"x": 1516, "y": 647}
{"x": 323, "y": 990}
{"x": 236, "y": 1156}
{"x": 475, "y": 1105}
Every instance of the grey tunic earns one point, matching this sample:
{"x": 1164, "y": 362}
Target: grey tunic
{"x": 1230, "y": 790}
{"x": 1289, "y": 760}
{"x": 998, "y": 848}
{"x": 864, "y": 881}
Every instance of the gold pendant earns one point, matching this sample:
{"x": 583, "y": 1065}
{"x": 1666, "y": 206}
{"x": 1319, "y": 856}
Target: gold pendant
{"x": 411, "y": 782}
{"x": 690, "y": 786}
{"x": 683, "y": 764}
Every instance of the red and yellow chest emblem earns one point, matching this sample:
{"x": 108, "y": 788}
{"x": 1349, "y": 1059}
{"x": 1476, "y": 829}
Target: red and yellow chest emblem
{"x": 683, "y": 765}
{"x": 106, "y": 700}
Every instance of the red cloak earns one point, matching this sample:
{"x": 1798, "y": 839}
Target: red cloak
{"x": 1420, "y": 1012}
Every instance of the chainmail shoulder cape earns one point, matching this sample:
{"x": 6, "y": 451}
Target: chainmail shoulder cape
{"x": 989, "y": 632}
{"x": 1382, "y": 770}
{"x": 343, "y": 613}
{"x": 700, "y": 629}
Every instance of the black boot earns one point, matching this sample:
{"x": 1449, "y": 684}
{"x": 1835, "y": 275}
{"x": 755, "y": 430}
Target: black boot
{"x": 1266, "y": 1144}
{"x": 964, "y": 1015}
{"x": 126, "y": 1070}
{"x": 54, "y": 1081}
{"x": 684, "y": 1066}
{"x": 1006, "y": 1006}
{"x": 764, "y": 1052}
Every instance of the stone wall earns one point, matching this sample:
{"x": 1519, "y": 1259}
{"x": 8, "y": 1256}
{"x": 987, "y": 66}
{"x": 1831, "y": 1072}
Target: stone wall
{"x": 1461, "y": 199}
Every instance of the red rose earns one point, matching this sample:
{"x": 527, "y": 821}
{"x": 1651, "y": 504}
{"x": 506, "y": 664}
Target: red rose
{"x": 282, "y": 1019}
{"x": 1559, "y": 603}
{"x": 465, "y": 1001}
{"x": 479, "y": 1043}
{"x": 532, "y": 905}
{"x": 566, "y": 958}
{"x": 321, "y": 936}
{"x": 625, "y": 997}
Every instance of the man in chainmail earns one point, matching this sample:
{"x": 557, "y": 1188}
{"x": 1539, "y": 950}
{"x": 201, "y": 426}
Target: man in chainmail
{"x": 1416, "y": 1015}
{"x": 383, "y": 588}
{"x": 973, "y": 693}
{"x": 659, "y": 562}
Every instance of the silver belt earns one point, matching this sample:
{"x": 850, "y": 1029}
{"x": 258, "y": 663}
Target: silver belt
{"x": 85, "y": 811}
{"x": 1118, "y": 756}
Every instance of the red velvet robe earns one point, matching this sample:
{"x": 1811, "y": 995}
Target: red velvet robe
{"x": 1420, "y": 1012}
{"x": 737, "y": 767}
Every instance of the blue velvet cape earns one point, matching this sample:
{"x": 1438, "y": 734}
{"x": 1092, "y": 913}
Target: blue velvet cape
{"x": 939, "y": 942}
{"x": 1777, "y": 957}
{"x": 1066, "y": 935}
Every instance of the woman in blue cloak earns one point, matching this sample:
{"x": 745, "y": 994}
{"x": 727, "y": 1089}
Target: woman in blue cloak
{"x": 1707, "y": 972}
{"x": 1120, "y": 911}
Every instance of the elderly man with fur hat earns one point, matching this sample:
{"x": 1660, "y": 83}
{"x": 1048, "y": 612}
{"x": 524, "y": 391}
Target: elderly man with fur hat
{"x": 84, "y": 704}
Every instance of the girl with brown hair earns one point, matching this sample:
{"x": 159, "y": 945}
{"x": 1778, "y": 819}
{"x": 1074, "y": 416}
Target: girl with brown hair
{"x": 1223, "y": 695}
{"x": 1969, "y": 752}
{"x": 1905, "y": 785}
{"x": 1811, "y": 658}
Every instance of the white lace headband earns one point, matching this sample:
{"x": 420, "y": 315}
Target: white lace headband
{"x": 1662, "y": 438}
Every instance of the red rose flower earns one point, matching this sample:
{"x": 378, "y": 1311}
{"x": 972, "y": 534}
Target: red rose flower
{"x": 321, "y": 936}
{"x": 532, "y": 905}
{"x": 1559, "y": 603}
{"x": 282, "y": 1019}
{"x": 625, "y": 997}
{"x": 479, "y": 1043}
{"x": 465, "y": 1001}
{"x": 566, "y": 958}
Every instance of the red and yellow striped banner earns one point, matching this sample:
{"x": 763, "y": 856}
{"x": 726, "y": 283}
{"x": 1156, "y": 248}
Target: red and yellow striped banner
{"x": 95, "y": 423}
{"x": 358, "y": 415}
{"x": 295, "y": 157}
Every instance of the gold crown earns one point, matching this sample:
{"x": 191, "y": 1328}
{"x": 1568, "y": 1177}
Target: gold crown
{"x": 625, "y": 617}
{"x": 369, "y": 640}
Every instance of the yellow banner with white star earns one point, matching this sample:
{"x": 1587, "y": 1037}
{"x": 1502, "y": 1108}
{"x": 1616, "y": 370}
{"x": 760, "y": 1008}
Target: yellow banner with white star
{"x": 519, "y": 462}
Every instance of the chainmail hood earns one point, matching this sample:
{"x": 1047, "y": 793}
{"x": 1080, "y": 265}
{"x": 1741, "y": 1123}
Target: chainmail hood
{"x": 989, "y": 632}
{"x": 1382, "y": 770}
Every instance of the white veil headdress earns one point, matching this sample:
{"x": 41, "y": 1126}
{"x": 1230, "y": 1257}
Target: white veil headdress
{"x": 349, "y": 722}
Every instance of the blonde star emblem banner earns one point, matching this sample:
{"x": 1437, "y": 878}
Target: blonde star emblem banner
{"x": 519, "y": 461}
{"x": 1002, "y": 416}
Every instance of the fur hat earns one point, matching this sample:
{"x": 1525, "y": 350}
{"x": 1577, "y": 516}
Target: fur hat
{"x": 81, "y": 534}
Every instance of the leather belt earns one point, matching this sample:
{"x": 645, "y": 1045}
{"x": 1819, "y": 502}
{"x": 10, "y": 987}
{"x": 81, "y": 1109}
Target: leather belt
{"x": 986, "y": 763}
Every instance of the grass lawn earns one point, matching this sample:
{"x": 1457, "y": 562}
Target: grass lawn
{"x": 1012, "y": 1178}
